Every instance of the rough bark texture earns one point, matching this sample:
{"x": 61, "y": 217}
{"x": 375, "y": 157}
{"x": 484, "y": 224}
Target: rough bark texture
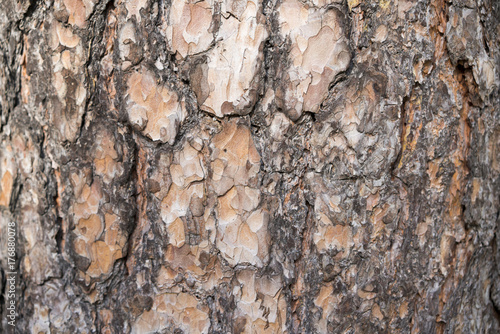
{"x": 252, "y": 166}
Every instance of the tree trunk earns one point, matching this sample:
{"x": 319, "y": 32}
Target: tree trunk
{"x": 250, "y": 166}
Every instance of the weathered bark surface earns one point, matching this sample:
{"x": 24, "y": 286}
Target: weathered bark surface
{"x": 252, "y": 166}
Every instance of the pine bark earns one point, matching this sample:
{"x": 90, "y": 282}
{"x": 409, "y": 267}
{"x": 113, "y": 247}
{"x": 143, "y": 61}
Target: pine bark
{"x": 251, "y": 166}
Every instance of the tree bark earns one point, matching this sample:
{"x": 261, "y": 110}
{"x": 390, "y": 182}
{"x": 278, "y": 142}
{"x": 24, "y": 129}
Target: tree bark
{"x": 250, "y": 166}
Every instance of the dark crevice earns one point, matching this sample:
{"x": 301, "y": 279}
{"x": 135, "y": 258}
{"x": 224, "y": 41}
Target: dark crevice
{"x": 31, "y": 9}
{"x": 402, "y": 134}
{"x": 135, "y": 179}
{"x": 59, "y": 235}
